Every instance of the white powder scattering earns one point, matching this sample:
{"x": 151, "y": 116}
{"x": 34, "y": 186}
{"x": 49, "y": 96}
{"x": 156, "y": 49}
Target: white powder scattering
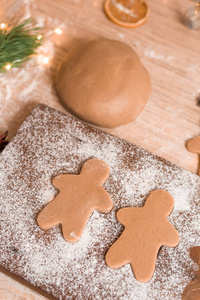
{"x": 195, "y": 68}
{"x": 73, "y": 234}
{"x": 13, "y": 97}
{"x": 136, "y": 44}
{"x": 121, "y": 35}
{"x": 50, "y": 143}
{"x": 182, "y": 195}
{"x": 157, "y": 56}
{"x": 124, "y": 9}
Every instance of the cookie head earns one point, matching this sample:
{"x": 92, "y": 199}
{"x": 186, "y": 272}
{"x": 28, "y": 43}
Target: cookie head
{"x": 160, "y": 202}
{"x": 96, "y": 169}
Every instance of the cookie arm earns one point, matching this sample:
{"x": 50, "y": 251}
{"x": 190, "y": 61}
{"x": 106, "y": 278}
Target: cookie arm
{"x": 61, "y": 181}
{"x": 104, "y": 201}
{"x": 125, "y": 214}
{"x": 56, "y": 181}
{"x": 171, "y": 237}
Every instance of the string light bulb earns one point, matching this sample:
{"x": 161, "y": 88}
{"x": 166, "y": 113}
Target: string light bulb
{"x": 8, "y": 67}
{"x": 45, "y": 60}
{"x": 197, "y": 8}
{"x": 39, "y": 37}
{"x": 58, "y": 31}
{"x": 3, "y": 26}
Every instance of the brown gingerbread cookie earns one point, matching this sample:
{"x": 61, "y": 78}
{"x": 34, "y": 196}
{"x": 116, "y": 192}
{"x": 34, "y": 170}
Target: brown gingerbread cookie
{"x": 192, "y": 290}
{"x": 146, "y": 230}
{"x": 79, "y": 196}
{"x": 193, "y": 146}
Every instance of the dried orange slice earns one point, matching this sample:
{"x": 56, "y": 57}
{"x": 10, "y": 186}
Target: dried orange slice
{"x": 127, "y": 13}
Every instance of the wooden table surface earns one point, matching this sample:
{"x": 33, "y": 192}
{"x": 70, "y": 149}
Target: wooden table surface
{"x": 169, "y": 50}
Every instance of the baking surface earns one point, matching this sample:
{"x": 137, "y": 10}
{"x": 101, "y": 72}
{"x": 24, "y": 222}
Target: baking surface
{"x": 50, "y": 143}
{"x": 168, "y": 49}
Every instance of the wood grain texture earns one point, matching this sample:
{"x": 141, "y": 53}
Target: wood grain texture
{"x": 168, "y": 49}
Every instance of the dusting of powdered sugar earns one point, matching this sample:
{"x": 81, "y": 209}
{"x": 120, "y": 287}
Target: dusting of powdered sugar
{"x": 49, "y": 143}
{"x": 124, "y": 9}
{"x": 158, "y": 56}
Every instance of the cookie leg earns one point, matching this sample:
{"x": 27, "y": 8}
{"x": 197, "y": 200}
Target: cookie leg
{"x": 73, "y": 227}
{"x": 143, "y": 267}
{"x": 47, "y": 218}
{"x": 116, "y": 256}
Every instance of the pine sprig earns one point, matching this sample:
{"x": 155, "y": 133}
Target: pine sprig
{"x": 18, "y": 42}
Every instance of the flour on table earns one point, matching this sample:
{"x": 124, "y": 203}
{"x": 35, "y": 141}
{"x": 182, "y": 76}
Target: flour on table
{"x": 158, "y": 56}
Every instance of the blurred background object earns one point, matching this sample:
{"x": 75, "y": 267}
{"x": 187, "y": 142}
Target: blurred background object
{"x": 192, "y": 16}
{"x": 127, "y": 13}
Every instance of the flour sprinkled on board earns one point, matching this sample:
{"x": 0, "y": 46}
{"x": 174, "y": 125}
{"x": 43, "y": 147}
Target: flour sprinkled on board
{"x": 158, "y": 56}
{"x": 50, "y": 143}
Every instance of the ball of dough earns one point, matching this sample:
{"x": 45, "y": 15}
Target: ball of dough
{"x": 104, "y": 83}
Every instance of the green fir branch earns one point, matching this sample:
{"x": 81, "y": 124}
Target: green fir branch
{"x": 18, "y": 42}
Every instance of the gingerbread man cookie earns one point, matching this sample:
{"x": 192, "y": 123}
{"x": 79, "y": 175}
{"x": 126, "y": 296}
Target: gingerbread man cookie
{"x": 79, "y": 196}
{"x": 193, "y": 146}
{"x": 192, "y": 290}
{"x": 146, "y": 230}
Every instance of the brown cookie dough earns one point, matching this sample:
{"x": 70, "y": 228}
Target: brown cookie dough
{"x": 193, "y": 145}
{"x": 79, "y": 196}
{"x": 146, "y": 230}
{"x": 192, "y": 290}
{"x": 103, "y": 82}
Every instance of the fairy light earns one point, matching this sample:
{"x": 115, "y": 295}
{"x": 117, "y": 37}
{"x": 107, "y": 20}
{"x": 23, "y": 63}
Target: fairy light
{"x": 8, "y": 67}
{"x": 39, "y": 37}
{"x": 3, "y": 25}
{"x": 58, "y": 31}
{"x": 197, "y": 8}
{"x": 45, "y": 60}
